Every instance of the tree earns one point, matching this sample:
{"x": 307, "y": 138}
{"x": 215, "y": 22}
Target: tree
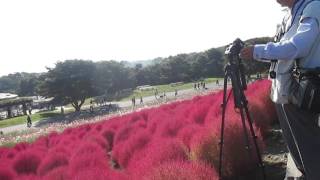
{"x": 70, "y": 82}
{"x": 112, "y": 76}
{"x": 12, "y": 83}
{"x": 215, "y": 65}
{"x": 28, "y": 87}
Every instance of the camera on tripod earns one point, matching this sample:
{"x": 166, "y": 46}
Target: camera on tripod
{"x": 234, "y": 70}
{"x": 234, "y": 50}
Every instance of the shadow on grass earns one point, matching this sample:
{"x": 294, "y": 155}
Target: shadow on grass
{"x": 49, "y": 114}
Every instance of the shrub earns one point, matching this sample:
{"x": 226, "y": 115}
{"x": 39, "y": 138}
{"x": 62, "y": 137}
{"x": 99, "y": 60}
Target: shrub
{"x": 123, "y": 152}
{"x": 52, "y": 161}
{"x": 182, "y": 170}
{"x": 157, "y": 152}
{"x": 204, "y": 147}
{"x": 88, "y": 155}
{"x": 108, "y": 134}
{"x": 6, "y": 173}
{"x": 59, "y": 173}
{"x": 26, "y": 162}
{"x": 187, "y": 132}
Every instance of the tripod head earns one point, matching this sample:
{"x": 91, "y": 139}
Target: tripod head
{"x": 234, "y": 50}
{"x": 235, "y": 63}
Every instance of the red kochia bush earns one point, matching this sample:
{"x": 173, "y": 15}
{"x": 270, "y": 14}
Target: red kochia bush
{"x": 122, "y": 153}
{"x": 108, "y": 134}
{"x": 21, "y": 147}
{"x": 237, "y": 160}
{"x": 157, "y": 152}
{"x": 204, "y": 147}
{"x": 261, "y": 107}
{"x": 26, "y": 162}
{"x": 97, "y": 138}
{"x": 52, "y": 161}
{"x": 88, "y": 155}
{"x": 182, "y": 170}
{"x": 91, "y": 173}
{"x": 6, "y": 173}
{"x": 187, "y": 132}
{"x": 60, "y": 173}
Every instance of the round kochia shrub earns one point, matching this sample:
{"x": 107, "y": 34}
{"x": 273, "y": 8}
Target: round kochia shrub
{"x": 6, "y": 173}
{"x": 182, "y": 170}
{"x": 51, "y": 162}
{"x": 89, "y": 155}
{"x": 26, "y": 162}
{"x": 204, "y": 147}
{"x": 157, "y": 152}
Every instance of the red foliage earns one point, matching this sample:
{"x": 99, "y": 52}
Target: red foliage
{"x": 6, "y": 173}
{"x": 237, "y": 160}
{"x": 52, "y": 161}
{"x": 60, "y": 173}
{"x": 91, "y": 173}
{"x": 157, "y": 152}
{"x": 182, "y": 170}
{"x": 98, "y": 139}
{"x": 28, "y": 177}
{"x": 26, "y": 162}
{"x": 187, "y": 132}
{"x": 174, "y": 141}
{"x": 261, "y": 107}
{"x": 21, "y": 147}
{"x": 204, "y": 147}
{"x": 122, "y": 153}
{"x": 169, "y": 127}
{"x": 108, "y": 134}
{"x": 88, "y": 155}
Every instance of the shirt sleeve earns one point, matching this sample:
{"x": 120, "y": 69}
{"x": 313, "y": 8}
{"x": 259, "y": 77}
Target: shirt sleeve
{"x": 296, "y": 47}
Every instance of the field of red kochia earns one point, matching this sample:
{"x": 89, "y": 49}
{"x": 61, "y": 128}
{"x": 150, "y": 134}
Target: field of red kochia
{"x": 175, "y": 141}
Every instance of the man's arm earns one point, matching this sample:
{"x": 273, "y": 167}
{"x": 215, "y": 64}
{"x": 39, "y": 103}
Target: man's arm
{"x": 296, "y": 47}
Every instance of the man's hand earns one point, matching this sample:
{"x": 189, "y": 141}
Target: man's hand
{"x": 247, "y": 53}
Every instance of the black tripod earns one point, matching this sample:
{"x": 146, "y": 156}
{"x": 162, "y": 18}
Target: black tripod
{"x": 234, "y": 71}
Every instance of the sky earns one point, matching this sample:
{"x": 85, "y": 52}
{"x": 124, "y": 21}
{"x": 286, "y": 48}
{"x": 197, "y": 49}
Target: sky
{"x": 38, "y": 33}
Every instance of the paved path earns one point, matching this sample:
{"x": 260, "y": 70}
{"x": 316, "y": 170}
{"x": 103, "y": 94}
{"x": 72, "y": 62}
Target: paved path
{"x": 123, "y": 104}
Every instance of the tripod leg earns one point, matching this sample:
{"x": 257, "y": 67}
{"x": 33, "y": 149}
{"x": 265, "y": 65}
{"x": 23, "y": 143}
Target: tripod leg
{"x": 254, "y": 137}
{"x": 224, "y": 106}
{"x": 245, "y": 131}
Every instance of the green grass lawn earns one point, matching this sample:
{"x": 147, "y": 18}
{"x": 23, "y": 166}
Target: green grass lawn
{"x": 165, "y": 88}
{"x": 23, "y": 119}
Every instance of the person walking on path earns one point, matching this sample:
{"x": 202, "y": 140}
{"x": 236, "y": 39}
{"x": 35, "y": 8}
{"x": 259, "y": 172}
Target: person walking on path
{"x": 133, "y": 101}
{"x": 29, "y": 122}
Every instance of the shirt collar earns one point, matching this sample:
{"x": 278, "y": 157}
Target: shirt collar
{"x": 296, "y": 5}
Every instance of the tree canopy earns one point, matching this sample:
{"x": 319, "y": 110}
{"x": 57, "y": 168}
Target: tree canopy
{"x": 70, "y": 81}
